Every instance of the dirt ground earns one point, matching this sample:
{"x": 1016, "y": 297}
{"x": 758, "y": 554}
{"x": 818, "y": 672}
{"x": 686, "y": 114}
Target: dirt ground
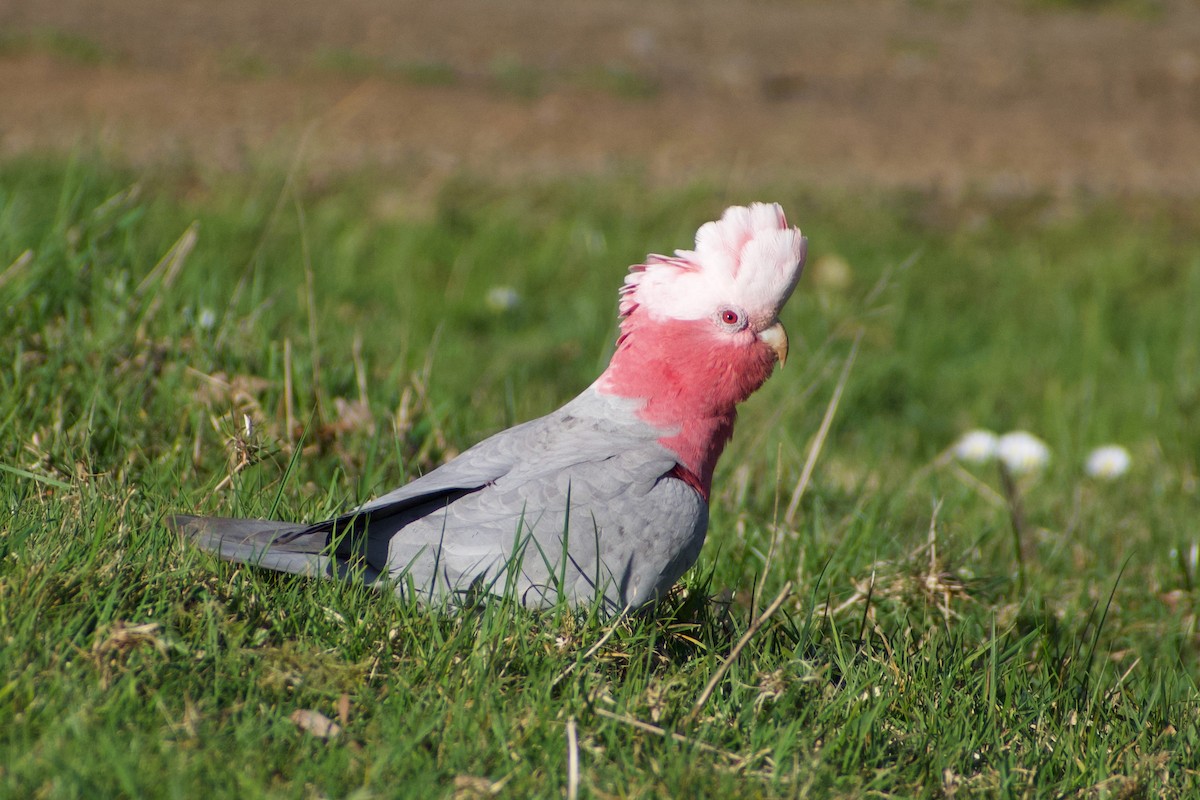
{"x": 1013, "y": 95}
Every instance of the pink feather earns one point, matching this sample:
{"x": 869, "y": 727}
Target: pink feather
{"x": 674, "y": 354}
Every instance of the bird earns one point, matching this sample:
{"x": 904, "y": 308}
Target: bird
{"x": 603, "y": 501}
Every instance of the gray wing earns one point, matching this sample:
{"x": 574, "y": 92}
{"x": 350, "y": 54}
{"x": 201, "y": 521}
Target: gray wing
{"x": 335, "y": 546}
{"x": 591, "y": 428}
{"x": 578, "y": 503}
{"x": 586, "y": 507}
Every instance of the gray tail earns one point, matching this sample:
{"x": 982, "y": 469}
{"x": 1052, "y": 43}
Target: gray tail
{"x": 278, "y": 546}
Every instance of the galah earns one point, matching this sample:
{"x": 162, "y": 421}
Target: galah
{"x": 604, "y": 500}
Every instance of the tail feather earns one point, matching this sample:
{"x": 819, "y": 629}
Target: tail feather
{"x": 262, "y": 543}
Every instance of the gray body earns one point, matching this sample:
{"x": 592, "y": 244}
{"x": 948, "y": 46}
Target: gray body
{"x": 591, "y": 475}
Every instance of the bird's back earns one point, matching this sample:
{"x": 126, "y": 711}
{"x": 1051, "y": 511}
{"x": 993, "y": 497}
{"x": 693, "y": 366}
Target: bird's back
{"x": 590, "y": 476}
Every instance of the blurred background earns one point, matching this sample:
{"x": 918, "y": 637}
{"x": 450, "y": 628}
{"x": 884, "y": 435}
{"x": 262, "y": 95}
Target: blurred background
{"x": 1015, "y": 96}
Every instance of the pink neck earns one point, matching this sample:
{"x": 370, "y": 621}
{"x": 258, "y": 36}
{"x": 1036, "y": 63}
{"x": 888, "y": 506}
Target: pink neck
{"x": 691, "y": 380}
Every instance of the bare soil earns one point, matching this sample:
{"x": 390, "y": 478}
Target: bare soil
{"x": 941, "y": 94}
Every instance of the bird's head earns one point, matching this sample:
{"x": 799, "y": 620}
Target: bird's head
{"x": 700, "y": 330}
{"x": 725, "y": 295}
{"x": 742, "y": 271}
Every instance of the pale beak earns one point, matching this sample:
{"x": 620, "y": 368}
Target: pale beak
{"x": 776, "y": 337}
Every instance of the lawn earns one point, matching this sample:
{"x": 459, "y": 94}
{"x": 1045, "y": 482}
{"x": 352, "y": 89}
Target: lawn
{"x": 273, "y": 345}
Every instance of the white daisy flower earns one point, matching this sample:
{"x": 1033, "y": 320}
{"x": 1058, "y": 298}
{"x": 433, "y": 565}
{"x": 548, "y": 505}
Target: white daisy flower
{"x": 1022, "y": 452}
{"x": 977, "y": 446}
{"x": 1108, "y": 462}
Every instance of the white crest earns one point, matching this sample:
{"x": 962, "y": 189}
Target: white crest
{"x": 749, "y": 259}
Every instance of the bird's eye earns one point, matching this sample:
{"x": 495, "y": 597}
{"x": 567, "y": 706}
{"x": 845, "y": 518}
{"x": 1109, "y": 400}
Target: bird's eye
{"x": 730, "y": 317}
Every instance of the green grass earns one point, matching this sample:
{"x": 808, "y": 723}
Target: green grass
{"x": 57, "y": 43}
{"x": 354, "y": 64}
{"x": 131, "y": 666}
{"x": 504, "y": 74}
